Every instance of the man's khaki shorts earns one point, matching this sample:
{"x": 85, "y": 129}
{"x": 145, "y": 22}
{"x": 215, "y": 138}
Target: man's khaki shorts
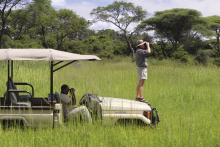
{"x": 142, "y": 73}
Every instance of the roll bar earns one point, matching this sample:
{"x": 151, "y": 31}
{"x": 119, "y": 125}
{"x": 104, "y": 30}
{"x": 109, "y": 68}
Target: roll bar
{"x": 53, "y": 68}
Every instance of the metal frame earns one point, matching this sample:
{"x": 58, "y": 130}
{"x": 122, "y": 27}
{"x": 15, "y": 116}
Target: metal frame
{"x": 62, "y": 66}
{"x": 52, "y": 71}
{"x": 26, "y": 84}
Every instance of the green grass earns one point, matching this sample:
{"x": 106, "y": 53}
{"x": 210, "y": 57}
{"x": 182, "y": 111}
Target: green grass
{"x": 186, "y": 96}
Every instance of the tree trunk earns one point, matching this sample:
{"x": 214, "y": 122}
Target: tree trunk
{"x": 43, "y": 33}
{"x": 2, "y": 32}
{"x": 163, "y": 47}
{"x": 60, "y": 42}
{"x": 130, "y": 48}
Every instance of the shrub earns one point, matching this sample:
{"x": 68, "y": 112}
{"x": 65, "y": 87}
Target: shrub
{"x": 217, "y": 62}
{"x": 162, "y": 50}
{"x": 181, "y": 55}
{"x": 76, "y": 46}
{"x": 25, "y": 42}
{"x": 202, "y": 57}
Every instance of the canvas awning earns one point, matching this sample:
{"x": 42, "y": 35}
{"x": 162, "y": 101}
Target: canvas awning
{"x": 42, "y": 55}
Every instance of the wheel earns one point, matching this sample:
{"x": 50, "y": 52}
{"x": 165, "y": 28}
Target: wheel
{"x": 7, "y": 124}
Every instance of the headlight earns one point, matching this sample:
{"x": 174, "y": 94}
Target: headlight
{"x": 148, "y": 114}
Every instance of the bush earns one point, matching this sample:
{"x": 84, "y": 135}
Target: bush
{"x": 25, "y": 42}
{"x": 202, "y": 57}
{"x": 162, "y": 50}
{"x": 217, "y": 62}
{"x": 51, "y": 41}
{"x": 106, "y": 54}
{"x": 76, "y": 46}
{"x": 181, "y": 55}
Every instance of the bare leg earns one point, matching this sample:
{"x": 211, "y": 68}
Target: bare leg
{"x": 140, "y": 88}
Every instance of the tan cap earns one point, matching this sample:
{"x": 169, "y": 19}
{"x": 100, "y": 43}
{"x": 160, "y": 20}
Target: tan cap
{"x": 140, "y": 42}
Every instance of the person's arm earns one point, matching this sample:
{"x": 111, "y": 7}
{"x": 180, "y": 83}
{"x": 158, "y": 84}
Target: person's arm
{"x": 73, "y": 96}
{"x": 148, "y": 47}
{"x": 145, "y": 51}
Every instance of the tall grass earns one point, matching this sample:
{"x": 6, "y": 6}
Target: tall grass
{"x": 186, "y": 96}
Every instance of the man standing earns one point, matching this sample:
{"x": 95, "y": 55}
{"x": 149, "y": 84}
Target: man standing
{"x": 143, "y": 49}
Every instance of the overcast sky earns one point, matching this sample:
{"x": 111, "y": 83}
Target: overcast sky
{"x": 84, "y": 7}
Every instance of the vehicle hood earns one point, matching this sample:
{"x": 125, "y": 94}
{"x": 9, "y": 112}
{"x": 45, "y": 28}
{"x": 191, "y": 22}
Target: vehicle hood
{"x": 109, "y": 103}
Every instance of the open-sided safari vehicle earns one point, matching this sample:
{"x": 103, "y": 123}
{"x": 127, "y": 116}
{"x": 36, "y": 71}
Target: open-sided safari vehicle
{"x": 20, "y": 107}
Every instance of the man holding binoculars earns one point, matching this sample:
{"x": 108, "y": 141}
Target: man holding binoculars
{"x": 70, "y": 110}
{"x": 143, "y": 49}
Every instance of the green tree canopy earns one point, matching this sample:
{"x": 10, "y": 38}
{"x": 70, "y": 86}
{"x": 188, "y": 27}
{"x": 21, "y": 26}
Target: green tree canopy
{"x": 68, "y": 24}
{"x": 175, "y": 25}
{"x": 42, "y": 17}
{"x": 6, "y": 7}
{"x": 19, "y": 23}
{"x": 122, "y": 15}
{"x": 214, "y": 24}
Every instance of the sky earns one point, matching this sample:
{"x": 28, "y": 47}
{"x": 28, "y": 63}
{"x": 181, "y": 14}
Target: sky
{"x": 84, "y": 7}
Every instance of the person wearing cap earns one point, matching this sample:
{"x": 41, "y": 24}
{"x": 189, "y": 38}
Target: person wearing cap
{"x": 143, "y": 49}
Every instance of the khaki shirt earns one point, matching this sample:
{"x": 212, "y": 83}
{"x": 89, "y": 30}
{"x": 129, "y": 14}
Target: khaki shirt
{"x": 65, "y": 99}
{"x": 66, "y": 102}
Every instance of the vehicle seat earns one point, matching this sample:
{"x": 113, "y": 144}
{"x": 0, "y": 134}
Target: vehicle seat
{"x": 11, "y": 84}
{"x": 20, "y": 98}
{"x": 13, "y": 98}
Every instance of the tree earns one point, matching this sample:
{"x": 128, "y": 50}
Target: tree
{"x": 68, "y": 24}
{"x": 114, "y": 35}
{"x": 214, "y": 24}
{"x": 6, "y": 7}
{"x": 42, "y": 20}
{"x": 175, "y": 25}
{"x": 18, "y": 23}
{"x": 122, "y": 15}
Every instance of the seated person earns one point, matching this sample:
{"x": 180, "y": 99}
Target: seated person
{"x": 65, "y": 98}
{"x": 69, "y": 105}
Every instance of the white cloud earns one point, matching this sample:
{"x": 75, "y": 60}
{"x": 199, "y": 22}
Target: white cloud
{"x": 207, "y": 7}
{"x": 59, "y": 3}
{"x": 103, "y": 25}
{"x": 84, "y": 7}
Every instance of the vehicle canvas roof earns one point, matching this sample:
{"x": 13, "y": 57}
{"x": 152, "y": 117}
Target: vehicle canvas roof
{"x": 42, "y": 55}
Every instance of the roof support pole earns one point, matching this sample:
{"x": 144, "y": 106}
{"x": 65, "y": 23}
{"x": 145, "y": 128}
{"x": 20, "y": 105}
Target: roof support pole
{"x": 8, "y": 78}
{"x": 12, "y": 71}
{"x": 58, "y": 68}
{"x": 57, "y": 63}
{"x": 51, "y": 87}
{"x": 51, "y": 81}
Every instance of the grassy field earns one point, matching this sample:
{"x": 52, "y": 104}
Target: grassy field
{"x": 186, "y": 96}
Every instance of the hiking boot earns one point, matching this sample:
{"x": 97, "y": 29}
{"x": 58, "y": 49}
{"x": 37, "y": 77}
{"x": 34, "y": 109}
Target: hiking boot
{"x": 140, "y": 99}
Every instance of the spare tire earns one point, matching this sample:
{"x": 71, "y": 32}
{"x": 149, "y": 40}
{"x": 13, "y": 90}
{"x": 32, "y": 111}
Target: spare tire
{"x": 92, "y": 102}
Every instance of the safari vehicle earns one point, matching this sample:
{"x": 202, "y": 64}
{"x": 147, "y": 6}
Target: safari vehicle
{"x": 120, "y": 110}
{"x": 20, "y": 107}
